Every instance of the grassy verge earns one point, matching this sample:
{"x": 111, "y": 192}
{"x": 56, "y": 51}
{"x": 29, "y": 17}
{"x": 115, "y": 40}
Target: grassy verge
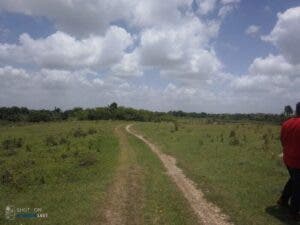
{"x": 236, "y": 165}
{"x": 162, "y": 202}
{"x": 63, "y": 168}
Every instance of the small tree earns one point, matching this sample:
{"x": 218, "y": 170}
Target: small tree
{"x": 288, "y": 111}
{"x": 113, "y": 106}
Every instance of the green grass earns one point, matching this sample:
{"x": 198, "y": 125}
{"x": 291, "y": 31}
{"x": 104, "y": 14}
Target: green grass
{"x": 237, "y": 165}
{"x": 163, "y": 203}
{"x": 63, "y": 168}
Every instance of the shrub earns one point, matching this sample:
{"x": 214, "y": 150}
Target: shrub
{"x": 92, "y": 131}
{"x": 63, "y": 141}
{"x": 12, "y": 143}
{"x": 50, "y": 141}
{"x": 79, "y": 133}
{"x": 234, "y": 141}
{"x": 88, "y": 160}
{"x": 7, "y": 177}
{"x": 232, "y": 134}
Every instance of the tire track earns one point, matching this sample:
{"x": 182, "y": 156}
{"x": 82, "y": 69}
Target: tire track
{"x": 206, "y": 212}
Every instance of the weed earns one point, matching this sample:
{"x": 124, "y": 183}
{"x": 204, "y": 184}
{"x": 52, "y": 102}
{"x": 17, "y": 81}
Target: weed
{"x": 12, "y": 143}
{"x": 88, "y": 160}
{"x": 28, "y": 148}
{"x": 63, "y": 140}
{"x": 234, "y": 141}
{"x": 7, "y": 177}
{"x": 79, "y": 133}
{"x": 50, "y": 141}
{"x": 92, "y": 131}
{"x": 232, "y": 134}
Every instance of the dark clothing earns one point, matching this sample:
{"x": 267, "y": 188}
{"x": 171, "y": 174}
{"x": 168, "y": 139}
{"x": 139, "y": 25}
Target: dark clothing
{"x": 290, "y": 140}
{"x": 292, "y": 190}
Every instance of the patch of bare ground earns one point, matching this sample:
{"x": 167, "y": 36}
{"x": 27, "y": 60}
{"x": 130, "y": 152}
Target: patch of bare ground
{"x": 207, "y": 212}
{"x": 124, "y": 200}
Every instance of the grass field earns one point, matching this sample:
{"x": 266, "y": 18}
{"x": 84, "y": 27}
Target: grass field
{"x": 236, "y": 165}
{"x": 69, "y": 168}
{"x": 63, "y": 168}
{"x": 78, "y": 171}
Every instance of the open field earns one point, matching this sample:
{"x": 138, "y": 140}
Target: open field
{"x": 86, "y": 173}
{"x": 236, "y": 165}
{"x": 97, "y": 173}
{"x": 63, "y": 168}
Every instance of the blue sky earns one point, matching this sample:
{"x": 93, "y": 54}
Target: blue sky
{"x": 201, "y": 55}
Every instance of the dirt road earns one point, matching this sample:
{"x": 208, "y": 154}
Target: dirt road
{"x": 121, "y": 206}
{"x": 207, "y": 213}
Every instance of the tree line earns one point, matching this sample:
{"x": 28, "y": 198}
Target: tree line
{"x": 115, "y": 112}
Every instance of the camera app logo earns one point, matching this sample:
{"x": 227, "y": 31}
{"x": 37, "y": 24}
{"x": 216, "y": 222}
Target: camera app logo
{"x": 10, "y": 212}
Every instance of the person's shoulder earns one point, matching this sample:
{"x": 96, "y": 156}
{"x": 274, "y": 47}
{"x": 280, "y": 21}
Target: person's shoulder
{"x": 293, "y": 120}
{"x": 288, "y": 121}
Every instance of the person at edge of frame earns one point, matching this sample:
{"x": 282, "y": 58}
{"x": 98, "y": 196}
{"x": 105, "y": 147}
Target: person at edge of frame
{"x": 290, "y": 140}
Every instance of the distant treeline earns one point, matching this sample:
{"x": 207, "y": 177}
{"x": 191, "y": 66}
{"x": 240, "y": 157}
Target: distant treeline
{"x": 114, "y": 112}
{"x": 111, "y": 112}
{"x": 261, "y": 117}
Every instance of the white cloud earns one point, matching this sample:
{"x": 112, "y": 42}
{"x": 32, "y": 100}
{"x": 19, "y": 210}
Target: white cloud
{"x": 88, "y": 61}
{"x": 229, "y": 1}
{"x": 252, "y": 30}
{"x": 61, "y": 50}
{"x": 275, "y": 79}
{"x": 12, "y": 77}
{"x": 157, "y": 12}
{"x": 77, "y": 17}
{"x": 180, "y": 51}
{"x": 129, "y": 66}
{"x": 225, "y": 10}
{"x": 286, "y": 34}
{"x": 206, "y": 6}
{"x": 274, "y": 65}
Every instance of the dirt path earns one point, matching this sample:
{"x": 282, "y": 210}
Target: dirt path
{"x": 207, "y": 213}
{"x": 124, "y": 201}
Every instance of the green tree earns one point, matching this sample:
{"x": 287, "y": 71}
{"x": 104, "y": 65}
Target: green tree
{"x": 288, "y": 110}
{"x": 113, "y": 107}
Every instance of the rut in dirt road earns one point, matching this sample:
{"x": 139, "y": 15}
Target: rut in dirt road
{"x": 121, "y": 206}
{"x": 207, "y": 213}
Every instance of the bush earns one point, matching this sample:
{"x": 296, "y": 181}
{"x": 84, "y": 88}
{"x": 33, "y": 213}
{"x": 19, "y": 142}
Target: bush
{"x": 50, "y": 141}
{"x": 63, "y": 141}
{"x": 232, "y": 134}
{"x": 7, "y": 177}
{"x": 234, "y": 142}
{"x": 92, "y": 131}
{"x": 88, "y": 160}
{"x": 79, "y": 133}
{"x": 12, "y": 143}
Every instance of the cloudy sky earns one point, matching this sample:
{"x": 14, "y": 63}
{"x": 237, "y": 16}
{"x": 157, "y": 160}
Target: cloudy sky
{"x": 191, "y": 55}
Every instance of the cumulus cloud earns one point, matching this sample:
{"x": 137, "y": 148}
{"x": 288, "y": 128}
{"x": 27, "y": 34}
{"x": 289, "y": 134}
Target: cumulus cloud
{"x": 286, "y": 34}
{"x": 225, "y": 10}
{"x": 206, "y": 6}
{"x": 274, "y": 79}
{"x": 77, "y": 17}
{"x": 229, "y": 1}
{"x": 129, "y": 66}
{"x": 61, "y": 50}
{"x": 180, "y": 51}
{"x": 252, "y": 30}
{"x": 90, "y": 61}
{"x": 274, "y": 65}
